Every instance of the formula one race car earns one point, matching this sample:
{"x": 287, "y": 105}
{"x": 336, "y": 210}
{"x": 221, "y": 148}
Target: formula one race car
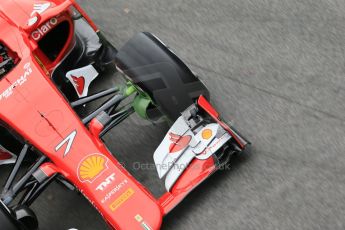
{"x": 50, "y": 54}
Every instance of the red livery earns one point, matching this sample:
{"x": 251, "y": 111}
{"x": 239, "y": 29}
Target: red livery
{"x": 50, "y": 54}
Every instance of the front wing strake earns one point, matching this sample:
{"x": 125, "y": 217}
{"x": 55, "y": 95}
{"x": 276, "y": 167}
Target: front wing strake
{"x": 182, "y": 144}
{"x": 194, "y": 148}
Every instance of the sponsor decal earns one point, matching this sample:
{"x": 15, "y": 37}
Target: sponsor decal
{"x": 40, "y": 8}
{"x": 69, "y": 140}
{"x": 43, "y": 29}
{"x": 110, "y": 179}
{"x": 20, "y": 81}
{"x": 215, "y": 145}
{"x": 178, "y": 142}
{"x": 91, "y": 167}
{"x": 6, "y": 157}
{"x": 206, "y": 134}
{"x": 145, "y": 226}
{"x": 121, "y": 200}
{"x": 114, "y": 191}
{"x": 140, "y": 219}
{"x": 79, "y": 83}
{"x": 82, "y": 78}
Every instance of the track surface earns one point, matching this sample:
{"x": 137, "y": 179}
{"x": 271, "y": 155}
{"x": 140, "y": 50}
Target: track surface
{"x": 274, "y": 67}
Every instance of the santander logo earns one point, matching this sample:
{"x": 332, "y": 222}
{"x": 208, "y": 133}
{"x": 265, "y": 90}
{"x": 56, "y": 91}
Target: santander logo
{"x": 79, "y": 82}
{"x": 178, "y": 142}
{"x": 81, "y": 79}
{"x": 43, "y": 29}
{"x": 40, "y": 8}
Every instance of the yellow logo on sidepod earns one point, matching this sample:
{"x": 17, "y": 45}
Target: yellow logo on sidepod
{"x": 91, "y": 167}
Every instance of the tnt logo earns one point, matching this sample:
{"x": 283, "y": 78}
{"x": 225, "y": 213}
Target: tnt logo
{"x": 110, "y": 179}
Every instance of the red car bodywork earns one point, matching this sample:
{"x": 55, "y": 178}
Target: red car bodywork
{"x": 32, "y": 105}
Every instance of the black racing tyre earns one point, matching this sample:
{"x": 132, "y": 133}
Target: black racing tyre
{"x": 7, "y": 221}
{"x": 153, "y": 67}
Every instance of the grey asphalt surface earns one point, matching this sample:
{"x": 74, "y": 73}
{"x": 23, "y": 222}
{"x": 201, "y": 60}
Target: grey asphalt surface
{"x": 276, "y": 69}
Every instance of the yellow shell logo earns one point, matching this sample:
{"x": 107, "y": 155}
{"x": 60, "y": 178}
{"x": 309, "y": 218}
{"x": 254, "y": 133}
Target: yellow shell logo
{"x": 91, "y": 167}
{"x": 206, "y": 134}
